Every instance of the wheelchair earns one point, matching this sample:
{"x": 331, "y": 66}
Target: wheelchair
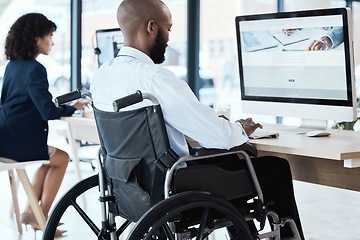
{"x": 142, "y": 181}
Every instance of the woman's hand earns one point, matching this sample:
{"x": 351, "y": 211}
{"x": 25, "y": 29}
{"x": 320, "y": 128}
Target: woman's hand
{"x": 80, "y": 104}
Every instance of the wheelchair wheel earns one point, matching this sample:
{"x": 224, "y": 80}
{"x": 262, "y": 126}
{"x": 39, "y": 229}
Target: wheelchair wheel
{"x": 172, "y": 218}
{"x": 67, "y": 207}
{"x": 70, "y": 199}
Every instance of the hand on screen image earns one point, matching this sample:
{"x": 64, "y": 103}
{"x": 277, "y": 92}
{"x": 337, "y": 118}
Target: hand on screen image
{"x": 319, "y": 45}
{"x": 331, "y": 39}
{"x": 290, "y": 31}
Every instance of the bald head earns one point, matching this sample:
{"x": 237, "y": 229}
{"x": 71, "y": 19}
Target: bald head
{"x": 133, "y": 15}
{"x": 145, "y": 25}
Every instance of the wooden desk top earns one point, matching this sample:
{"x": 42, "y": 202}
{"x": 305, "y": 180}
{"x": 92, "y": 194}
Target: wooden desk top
{"x": 82, "y": 128}
{"x": 84, "y": 120}
{"x": 340, "y": 145}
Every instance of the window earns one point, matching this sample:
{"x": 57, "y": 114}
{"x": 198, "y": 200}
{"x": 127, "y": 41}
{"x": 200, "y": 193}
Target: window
{"x": 58, "y": 62}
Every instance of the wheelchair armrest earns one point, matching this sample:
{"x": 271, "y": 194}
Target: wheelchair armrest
{"x": 201, "y": 151}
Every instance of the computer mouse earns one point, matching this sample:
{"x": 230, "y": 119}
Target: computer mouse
{"x": 318, "y": 133}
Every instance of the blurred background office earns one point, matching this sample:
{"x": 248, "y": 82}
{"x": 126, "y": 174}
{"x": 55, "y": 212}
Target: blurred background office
{"x": 73, "y": 61}
{"x": 217, "y": 57}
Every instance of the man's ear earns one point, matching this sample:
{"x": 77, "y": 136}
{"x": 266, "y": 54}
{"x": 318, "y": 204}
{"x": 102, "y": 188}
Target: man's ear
{"x": 151, "y": 27}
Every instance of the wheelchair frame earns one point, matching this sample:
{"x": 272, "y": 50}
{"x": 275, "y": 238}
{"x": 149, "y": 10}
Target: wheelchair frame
{"x": 149, "y": 226}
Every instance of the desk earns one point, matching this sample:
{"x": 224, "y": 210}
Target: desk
{"x": 331, "y": 161}
{"x": 80, "y": 128}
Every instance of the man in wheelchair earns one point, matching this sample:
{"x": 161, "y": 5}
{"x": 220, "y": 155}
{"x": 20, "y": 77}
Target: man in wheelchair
{"x": 146, "y": 26}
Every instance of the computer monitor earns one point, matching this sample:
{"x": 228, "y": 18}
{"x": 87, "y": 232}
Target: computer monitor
{"x": 109, "y": 42}
{"x": 280, "y": 76}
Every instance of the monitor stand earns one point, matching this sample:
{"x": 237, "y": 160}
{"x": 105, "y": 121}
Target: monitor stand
{"x": 308, "y": 125}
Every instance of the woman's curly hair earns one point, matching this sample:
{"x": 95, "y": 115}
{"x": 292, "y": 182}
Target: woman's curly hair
{"x": 21, "y": 41}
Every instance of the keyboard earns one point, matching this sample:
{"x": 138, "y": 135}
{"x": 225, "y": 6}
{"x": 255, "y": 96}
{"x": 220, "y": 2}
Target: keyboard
{"x": 250, "y": 40}
{"x": 263, "y": 133}
{"x": 259, "y": 40}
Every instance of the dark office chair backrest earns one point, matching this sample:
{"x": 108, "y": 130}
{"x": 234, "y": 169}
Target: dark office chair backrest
{"x": 137, "y": 153}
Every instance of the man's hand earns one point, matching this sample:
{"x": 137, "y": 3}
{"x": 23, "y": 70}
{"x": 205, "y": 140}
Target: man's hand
{"x": 289, "y": 31}
{"x": 318, "y": 45}
{"x": 249, "y": 125}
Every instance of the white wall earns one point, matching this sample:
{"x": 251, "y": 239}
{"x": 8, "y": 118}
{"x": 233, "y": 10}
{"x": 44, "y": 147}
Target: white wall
{"x": 291, "y": 5}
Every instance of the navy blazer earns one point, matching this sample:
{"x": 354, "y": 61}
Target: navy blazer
{"x": 26, "y": 106}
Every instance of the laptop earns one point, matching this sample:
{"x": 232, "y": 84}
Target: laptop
{"x": 257, "y": 40}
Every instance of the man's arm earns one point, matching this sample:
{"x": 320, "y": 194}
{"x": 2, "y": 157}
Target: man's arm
{"x": 336, "y": 36}
{"x": 187, "y": 115}
{"x": 333, "y": 37}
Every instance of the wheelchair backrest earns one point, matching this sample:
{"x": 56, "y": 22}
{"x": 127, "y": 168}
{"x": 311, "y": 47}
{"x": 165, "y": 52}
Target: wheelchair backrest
{"x": 137, "y": 153}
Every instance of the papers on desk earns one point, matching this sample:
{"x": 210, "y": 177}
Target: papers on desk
{"x": 295, "y": 37}
{"x": 261, "y": 133}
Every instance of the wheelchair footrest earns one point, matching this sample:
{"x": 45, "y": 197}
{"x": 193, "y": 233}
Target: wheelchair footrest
{"x": 293, "y": 227}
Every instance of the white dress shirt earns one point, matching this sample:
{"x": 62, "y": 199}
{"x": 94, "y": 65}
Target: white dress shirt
{"x": 133, "y": 70}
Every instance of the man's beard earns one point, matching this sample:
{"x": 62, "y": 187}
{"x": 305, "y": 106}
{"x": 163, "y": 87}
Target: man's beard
{"x": 157, "y": 53}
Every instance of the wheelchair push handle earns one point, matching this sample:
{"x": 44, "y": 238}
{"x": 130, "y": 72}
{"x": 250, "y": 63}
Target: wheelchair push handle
{"x": 68, "y": 97}
{"x": 127, "y": 101}
{"x": 132, "y": 99}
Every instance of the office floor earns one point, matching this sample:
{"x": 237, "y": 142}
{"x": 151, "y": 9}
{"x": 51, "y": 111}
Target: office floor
{"x": 327, "y": 213}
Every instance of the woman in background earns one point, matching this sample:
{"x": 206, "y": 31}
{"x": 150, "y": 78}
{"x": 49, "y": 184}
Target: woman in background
{"x": 26, "y": 106}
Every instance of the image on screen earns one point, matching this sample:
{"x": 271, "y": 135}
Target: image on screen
{"x": 109, "y": 42}
{"x": 302, "y": 57}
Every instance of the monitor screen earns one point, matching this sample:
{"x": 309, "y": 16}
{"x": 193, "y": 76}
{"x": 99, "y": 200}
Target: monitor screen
{"x": 297, "y": 64}
{"x": 109, "y": 42}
